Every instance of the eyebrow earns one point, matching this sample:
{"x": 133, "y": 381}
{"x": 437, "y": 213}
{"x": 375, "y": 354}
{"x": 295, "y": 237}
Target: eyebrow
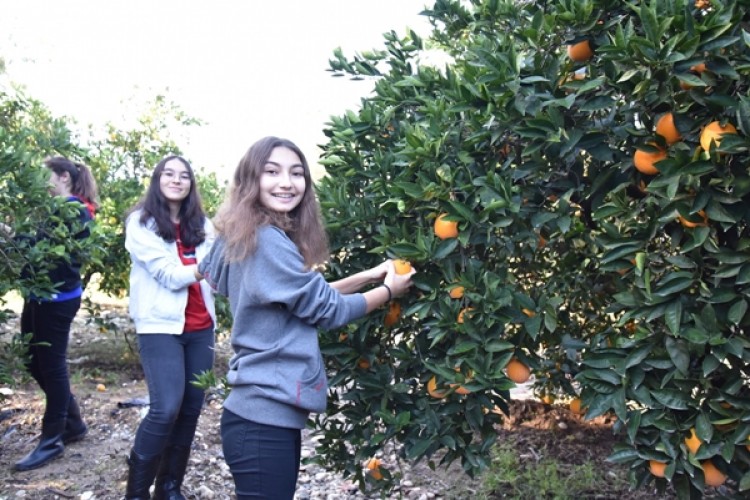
{"x": 269, "y": 162}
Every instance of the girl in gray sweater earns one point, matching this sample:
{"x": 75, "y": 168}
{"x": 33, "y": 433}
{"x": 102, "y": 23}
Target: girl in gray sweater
{"x": 270, "y": 238}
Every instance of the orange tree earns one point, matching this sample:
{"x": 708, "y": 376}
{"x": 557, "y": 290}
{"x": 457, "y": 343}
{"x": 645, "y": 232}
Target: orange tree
{"x": 626, "y": 289}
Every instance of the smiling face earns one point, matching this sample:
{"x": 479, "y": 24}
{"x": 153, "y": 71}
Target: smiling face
{"x": 175, "y": 182}
{"x": 282, "y": 182}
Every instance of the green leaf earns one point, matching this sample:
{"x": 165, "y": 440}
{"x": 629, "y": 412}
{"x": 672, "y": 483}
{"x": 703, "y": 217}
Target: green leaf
{"x": 671, "y": 398}
{"x": 679, "y": 354}
{"x": 737, "y": 311}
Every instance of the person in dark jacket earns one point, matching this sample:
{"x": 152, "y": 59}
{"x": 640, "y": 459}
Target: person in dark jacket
{"x": 270, "y": 242}
{"x": 48, "y": 319}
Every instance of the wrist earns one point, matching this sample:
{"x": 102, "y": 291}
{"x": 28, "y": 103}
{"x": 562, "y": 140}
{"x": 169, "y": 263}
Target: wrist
{"x": 390, "y": 293}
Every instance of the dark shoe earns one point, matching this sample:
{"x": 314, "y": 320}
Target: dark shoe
{"x": 75, "y": 427}
{"x": 141, "y": 473}
{"x": 171, "y": 473}
{"x": 50, "y": 447}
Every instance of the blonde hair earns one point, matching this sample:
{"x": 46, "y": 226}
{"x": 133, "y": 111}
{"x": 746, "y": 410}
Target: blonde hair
{"x": 241, "y": 213}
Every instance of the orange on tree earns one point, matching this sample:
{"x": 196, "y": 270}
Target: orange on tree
{"x": 657, "y": 468}
{"x": 459, "y": 388}
{"x": 402, "y": 266}
{"x": 456, "y": 292}
{"x": 363, "y": 363}
{"x": 665, "y": 127}
{"x": 528, "y": 312}
{"x": 432, "y": 389}
{"x": 517, "y": 371}
{"x": 693, "y": 442}
{"x": 463, "y": 311}
{"x": 393, "y": 314}
{"x": 575, "y": 406}
{"x": 713, "y": 133}
{"x": 712, "y": 475}
{"x": 644, "y": 160}
{"x": 373, "y": 468}
{"x": 690, "y": 224}
{"x": 445, "y": 229}
{"x": 580, "y": 51}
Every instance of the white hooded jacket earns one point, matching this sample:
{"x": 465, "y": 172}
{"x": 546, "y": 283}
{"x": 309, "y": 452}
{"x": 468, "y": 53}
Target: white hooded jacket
{"x": 159, "y": 280}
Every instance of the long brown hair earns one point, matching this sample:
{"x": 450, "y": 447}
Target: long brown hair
{"x": 83, "y": 184}
{"x": 242, "y": 213}
{"x": 154, "y": 206}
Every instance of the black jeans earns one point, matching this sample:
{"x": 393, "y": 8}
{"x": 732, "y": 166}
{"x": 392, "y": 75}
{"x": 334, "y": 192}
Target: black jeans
{"x": 49, "y": 323}
{"x": 170, "y": 363}
{"x": 264, "y": 459}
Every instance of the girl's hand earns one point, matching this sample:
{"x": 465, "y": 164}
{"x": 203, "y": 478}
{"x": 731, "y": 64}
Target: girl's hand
{"x": 377, "y": 274}
{"x": 398, "y": 283}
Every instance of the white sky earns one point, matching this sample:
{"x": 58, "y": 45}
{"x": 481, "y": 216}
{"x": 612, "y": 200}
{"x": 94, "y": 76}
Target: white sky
{"x": 248, "y": 68}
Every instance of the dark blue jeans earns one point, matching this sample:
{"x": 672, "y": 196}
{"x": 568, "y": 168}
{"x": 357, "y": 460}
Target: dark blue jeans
{"x": 170, "y": 363}
{"x": 264, "y": 459}
{"x": 49, "y": 323}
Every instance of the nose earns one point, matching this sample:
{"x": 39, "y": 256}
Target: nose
{"x": 285, "y": 180}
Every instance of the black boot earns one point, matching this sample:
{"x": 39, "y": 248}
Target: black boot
{"x": 50, "y": 447}
{"x": 171, "y": 473}
{"x": 75, "y": 427}
{"x": 141, "y": 473}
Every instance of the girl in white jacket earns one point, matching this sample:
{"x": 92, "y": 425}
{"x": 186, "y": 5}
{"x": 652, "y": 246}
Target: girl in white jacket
{"x": 168, "y": 234}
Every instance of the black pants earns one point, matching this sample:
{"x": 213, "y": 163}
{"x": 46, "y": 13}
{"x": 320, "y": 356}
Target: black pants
{"x": 171, "y": 363}
{"x": 49, "y": 323}
{"x": 264, "y": 459}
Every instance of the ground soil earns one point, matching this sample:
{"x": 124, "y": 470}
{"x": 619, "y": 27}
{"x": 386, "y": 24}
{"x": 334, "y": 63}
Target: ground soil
{"x": 107, "y": 378}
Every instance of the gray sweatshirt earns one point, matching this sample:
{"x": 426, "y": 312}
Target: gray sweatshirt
{"x": 277, "y": 373}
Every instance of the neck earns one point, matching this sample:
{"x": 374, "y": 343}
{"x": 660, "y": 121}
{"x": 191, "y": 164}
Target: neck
{"x": 174, "y": 212}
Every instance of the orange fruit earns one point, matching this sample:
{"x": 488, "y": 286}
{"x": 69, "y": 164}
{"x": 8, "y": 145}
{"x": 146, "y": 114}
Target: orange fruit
{"x": 702, "y": 4}
{"x": 713, "y": 476}
{"x": 432, "y": 389}
{"x": 373, "y": 468}
{"x": 517, "y": 371}
{"x": 548, "y": 399}
{"x": 665, "y": 128}
{"x": 402, "y": 266}
{"x": 575, "y": 406}
{"x": 689, "y": 224}
{"x": 363, "y": 363}
{"x": 580, "y": 51}
{"x": 444, "y": 228}
{"x": 393, "y": 314}
{"x": 698, "y": 68}
{"x": 463, "y": 311}
{"x": 456, "y": 292}
{"x": 657, "y": 468}
{"x": 693, "y": 442}
{"x": 101, "y": 387}
{"x": 713, "y": 132}
{"x": 528, "y": 312}
{"x": 644, "y": 161}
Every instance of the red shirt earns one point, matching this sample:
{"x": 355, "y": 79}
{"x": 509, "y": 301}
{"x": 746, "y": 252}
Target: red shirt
{"x": 196, "y": 314}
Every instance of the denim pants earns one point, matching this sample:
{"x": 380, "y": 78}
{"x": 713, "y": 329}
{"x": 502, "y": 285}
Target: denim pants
{"x": 49, "y": 323}
{"x": 171, "y": 363}
{"x": 264, "y": 459}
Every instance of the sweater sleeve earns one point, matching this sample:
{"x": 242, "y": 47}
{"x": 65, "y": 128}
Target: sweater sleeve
{"x": 148, "y": 249}
{"x": 279, "y": 277}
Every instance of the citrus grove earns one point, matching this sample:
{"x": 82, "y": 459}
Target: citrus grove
{"x": 571, "y": 181}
